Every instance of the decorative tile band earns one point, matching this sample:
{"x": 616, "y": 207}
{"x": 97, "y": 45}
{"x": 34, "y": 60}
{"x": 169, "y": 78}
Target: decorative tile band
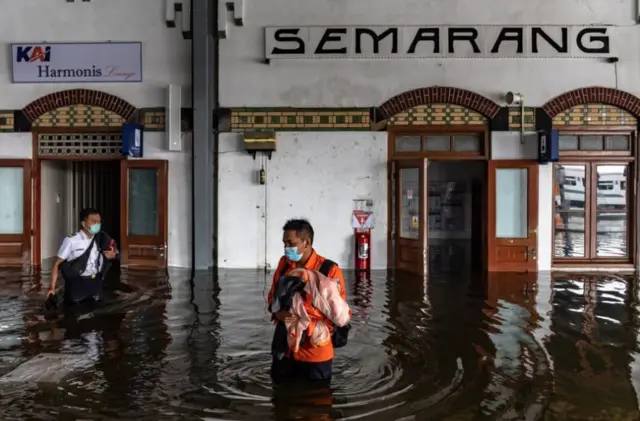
{"x": 288, "y": 119}
{"x": 6, "y": 121}
{"x": 79, "y": 116}
{"x": 529, "y": 119}
{"x": 153, "y": 119}
{"x": 438, "y": 114}
{"x": 595, "y": 115}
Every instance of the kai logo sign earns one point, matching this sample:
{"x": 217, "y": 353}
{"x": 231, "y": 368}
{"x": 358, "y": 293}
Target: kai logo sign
{"x": 82, "y": 62}
{"x": 33, "y": 53}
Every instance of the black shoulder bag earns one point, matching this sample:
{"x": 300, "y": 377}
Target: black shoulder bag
{"x": 340, "y": 335}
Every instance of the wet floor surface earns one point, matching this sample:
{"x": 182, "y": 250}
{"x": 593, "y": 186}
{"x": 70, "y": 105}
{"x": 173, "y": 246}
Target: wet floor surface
{"x": 453, "y": 348}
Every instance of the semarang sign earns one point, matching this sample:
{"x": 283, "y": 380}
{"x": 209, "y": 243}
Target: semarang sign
{"x": 405, "y": 42}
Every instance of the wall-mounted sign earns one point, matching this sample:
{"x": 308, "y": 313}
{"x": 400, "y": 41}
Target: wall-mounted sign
{"x": 132, "y": 141}
{"x": 83, "y": 62}
{"x": 384, "y": 42}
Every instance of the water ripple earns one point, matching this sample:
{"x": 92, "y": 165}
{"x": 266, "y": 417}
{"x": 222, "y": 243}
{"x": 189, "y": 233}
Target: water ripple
{"x": 448, "y": 349}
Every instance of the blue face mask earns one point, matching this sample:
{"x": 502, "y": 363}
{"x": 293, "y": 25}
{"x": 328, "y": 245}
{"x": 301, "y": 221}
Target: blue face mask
{"x": 292, "y": 254}
{"x": 95, "y": 228}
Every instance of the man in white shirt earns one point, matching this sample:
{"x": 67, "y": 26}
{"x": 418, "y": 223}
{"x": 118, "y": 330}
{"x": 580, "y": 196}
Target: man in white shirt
{"x": 83, "y": 259}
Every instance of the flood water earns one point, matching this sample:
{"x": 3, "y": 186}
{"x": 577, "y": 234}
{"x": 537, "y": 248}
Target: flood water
{"x": 454, "y": 348}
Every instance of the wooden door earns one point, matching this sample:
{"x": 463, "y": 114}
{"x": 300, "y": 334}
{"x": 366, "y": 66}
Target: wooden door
{"x": 513, "y": 216}
{"x": 410, "y": 213}
{"x": 15, "y": 212}
{"x": 144, "y": 210}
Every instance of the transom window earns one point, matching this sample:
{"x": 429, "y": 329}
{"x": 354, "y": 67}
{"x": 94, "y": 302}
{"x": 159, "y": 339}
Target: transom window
{"x": 472, "y": 143}
{"x": 590, "y": 143}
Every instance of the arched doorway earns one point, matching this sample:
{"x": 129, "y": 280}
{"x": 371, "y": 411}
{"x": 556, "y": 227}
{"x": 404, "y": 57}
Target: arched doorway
{"x": 434, "y": 133}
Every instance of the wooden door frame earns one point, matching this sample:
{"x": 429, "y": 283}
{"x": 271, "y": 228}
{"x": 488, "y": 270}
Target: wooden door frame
{"x": 27, "y": 202}
{"x": 163, "y": 209}
{"x": 36, "y": 245}
{"x": 533, "y": 183}
{"x": 421, "y": 164}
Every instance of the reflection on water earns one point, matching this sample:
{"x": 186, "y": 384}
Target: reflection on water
{"x": 507, "y": 348}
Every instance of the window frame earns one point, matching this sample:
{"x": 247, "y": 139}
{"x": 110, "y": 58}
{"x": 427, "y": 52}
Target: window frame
{"x": 591, "y": 160}
{"x": 617, "y": 131}
{"x": 481, "y": 131}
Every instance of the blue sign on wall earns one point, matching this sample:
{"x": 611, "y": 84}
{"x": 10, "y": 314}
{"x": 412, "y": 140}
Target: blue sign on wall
{"x": 132, "y": 142}
{"x": 548, "y": 146}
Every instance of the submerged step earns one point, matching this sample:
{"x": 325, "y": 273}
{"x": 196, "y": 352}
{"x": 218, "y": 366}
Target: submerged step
{"x": 46, "y": 368}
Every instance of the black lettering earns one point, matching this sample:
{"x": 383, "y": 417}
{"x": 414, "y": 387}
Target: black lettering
{"x": 43, "y": 71}
{"x": 376, "y": 39}
{"x": 291, "y": 36}
{"x": 536, "y": 32}
{"x": 510, "y": 34}
{"x": 463, "y": 34}
{"x": 97, "y": 72}
{"x": 426, "y": 34}
{"x": 603, "y": 39}
{"x": 332, "y": 35}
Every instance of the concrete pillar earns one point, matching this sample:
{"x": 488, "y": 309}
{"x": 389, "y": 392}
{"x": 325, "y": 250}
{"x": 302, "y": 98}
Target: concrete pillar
{"x": 203, "y": 62}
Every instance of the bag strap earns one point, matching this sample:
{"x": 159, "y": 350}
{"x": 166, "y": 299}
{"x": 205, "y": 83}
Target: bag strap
{"x": 326, "y": 267}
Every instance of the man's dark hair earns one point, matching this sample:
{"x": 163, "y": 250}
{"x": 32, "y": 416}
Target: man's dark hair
{"x": 86, "y": 212}
{"x": 302, "y": 227}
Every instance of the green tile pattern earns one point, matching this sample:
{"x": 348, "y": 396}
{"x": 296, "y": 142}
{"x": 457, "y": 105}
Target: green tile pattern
{"x": 529, "y": 119}
{"x": 293, "y": 119}
{"x": 438, "y": 114}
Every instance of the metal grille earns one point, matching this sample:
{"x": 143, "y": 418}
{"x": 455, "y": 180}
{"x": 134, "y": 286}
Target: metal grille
{"x": 80, "y": 144}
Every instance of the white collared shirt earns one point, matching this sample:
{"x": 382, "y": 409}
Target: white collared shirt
{"x": 73, "y": 246}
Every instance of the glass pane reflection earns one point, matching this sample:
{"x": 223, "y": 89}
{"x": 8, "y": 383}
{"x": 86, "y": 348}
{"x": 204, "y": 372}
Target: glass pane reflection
{"x": 612, "y": 187}
{"x": 512, "y": 200}
{"x": 408, "y": 143}
{"x": 143, "y": 202}
{"x": 11, "y": 205}
{"x": 569, "y": 234}
{"x": 570, "y": 192}
{"x": 438, "y": 143}
{"x": 410, "y": 203}
{"x": 611, "y": 237}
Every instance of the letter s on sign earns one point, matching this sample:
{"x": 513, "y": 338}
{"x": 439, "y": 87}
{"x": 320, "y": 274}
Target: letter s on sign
{"x": 289, "y": 35}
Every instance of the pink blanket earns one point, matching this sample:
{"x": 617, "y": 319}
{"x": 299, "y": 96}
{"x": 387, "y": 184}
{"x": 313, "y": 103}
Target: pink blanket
{"x": 323, "y": 305}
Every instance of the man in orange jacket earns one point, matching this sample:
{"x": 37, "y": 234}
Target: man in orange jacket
{"x": 310, "y": 363}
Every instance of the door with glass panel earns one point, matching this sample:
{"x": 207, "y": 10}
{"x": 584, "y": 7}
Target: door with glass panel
{"x": 144, "y": 222}
{"x": 410, "y": 225}
{"x": 15, "y": 212}
{"x": 513, "y": 216}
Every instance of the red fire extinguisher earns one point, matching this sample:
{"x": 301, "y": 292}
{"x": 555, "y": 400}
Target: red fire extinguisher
{"x": 363, "y": 249}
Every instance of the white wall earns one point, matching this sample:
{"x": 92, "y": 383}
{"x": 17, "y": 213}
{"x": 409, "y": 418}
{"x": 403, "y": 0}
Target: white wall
{"x": 314, "y": 175}
{"x": 507, "y": 145}
{"x": 54, "y": 204}
{"x": 246, "y": 81}
{"x": 166, "y": 56}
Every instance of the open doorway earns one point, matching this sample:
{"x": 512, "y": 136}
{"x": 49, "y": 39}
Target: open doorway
{"x": 66, "y": 187}
{"x": 456, "y": 215}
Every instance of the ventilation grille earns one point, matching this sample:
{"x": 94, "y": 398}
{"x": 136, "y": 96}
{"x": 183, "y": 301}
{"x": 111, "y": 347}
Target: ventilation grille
{"x": 80, "y": 144}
